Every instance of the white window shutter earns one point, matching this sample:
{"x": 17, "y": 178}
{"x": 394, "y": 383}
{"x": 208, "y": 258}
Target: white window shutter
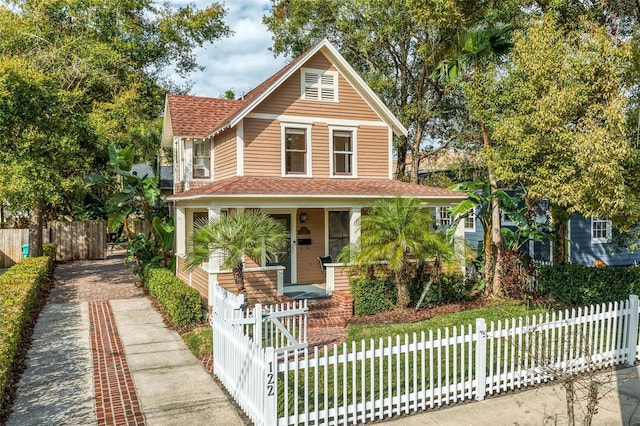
{"x": 609, "y": 236}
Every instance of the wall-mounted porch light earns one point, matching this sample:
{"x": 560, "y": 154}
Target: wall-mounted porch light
{"x": 303, "y": 217}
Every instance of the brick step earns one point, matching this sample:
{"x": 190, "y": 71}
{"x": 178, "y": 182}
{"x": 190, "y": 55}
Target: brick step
{"x": 334, "y": 321}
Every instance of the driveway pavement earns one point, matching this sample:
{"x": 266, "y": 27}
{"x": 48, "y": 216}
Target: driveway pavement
{"x": 101, "y": 355}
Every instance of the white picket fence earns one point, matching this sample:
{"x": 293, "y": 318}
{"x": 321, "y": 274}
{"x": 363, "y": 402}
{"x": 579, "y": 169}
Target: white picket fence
{"x": 374, "y": 380}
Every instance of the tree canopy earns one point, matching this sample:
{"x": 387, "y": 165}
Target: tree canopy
{"x": 79, "y": 75}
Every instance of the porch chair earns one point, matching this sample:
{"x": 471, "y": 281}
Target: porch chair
{"x": 323, "y": 261}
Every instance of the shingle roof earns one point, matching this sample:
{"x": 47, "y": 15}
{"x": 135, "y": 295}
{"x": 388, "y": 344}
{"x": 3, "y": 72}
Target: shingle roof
{"x": 196, "y": 116}
{"x": 284, "y": 187}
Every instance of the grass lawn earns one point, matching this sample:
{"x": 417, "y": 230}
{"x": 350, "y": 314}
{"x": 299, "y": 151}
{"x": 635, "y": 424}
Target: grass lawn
{"x": 199, "y": 341}
{"x": 493, "y": 312}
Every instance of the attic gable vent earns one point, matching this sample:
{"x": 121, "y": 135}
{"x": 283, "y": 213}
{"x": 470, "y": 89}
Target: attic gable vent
{"x": 319, "y": 85}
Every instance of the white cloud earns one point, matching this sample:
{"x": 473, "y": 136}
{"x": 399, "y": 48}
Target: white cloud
{"x": 239, "y": 62}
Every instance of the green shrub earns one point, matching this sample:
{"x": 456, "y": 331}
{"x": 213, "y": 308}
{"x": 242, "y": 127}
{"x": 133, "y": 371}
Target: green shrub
{"x": 199, "y": 341}
{"x": 585, "y": 285}
{"x": 445, "y": 288}
{"x": 179, "y": 302}
{"x": 372, "y": 296}
{"x": 20, "y": 287}
{"x": 49, "y": 249}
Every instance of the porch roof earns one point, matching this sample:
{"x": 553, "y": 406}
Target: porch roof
{"x": 311, "y": 187}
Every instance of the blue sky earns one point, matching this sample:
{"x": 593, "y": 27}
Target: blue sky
{"x": 239, "y": 62}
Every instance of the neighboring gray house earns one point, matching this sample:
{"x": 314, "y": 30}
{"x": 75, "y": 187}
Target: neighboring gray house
{"x": 590, "y": 239}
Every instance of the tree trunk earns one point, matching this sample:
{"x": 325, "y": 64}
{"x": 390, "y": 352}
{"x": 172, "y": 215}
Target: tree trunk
{"x": 494, "y": 284}
{"x": 401, "y": 162}
{"x": 402, "y": 282}
{"x": 238, "y": 277}
{"x": 570, "y": 396}
{"x": 35, "y": 229}
{"x": 559, "y": 220}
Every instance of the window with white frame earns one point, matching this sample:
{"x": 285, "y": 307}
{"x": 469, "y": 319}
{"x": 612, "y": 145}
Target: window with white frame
{"x": 338, "y": 232}
{"x": 470, "y": 221}
{"x": 342, "y": 152}
{"x": 319, "y": 85}
{"x": 443, "y": 217}
{"x": 296, "y": 152}
{"x": 201, "y": 159}
{"x": 600, "y": 230}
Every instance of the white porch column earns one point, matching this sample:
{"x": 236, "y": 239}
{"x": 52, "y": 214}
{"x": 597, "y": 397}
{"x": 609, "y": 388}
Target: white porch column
{"x": 354, "y": 225}
{"x": 181, "y": 231}
{"x": 459, "y": 245}
{"x": 215, "y": 257}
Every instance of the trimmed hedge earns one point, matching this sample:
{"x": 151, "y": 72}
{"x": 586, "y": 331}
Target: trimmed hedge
{"x": 373, "y": 296}
{"x": 586, "y": 285}
{"x": 179, "y": 302}
{"x": 20, "y": 287}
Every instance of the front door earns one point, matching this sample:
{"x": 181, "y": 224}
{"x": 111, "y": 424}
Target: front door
{"x": 284, "y": 256}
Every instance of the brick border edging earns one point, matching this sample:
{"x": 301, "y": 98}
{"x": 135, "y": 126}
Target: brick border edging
{"x": 115, "y": 394}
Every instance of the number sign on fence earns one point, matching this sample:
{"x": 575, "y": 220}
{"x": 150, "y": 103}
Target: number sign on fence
{"x": 375, "y": 380}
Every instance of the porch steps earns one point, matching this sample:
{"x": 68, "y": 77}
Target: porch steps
{"x": 331, "y": 312}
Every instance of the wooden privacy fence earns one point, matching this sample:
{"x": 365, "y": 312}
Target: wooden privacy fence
{"x": 76, "y": 241}
{"x": 374, "y": 380}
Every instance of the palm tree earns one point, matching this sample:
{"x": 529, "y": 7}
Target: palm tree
{"x": 476, "y": 49}
{"x": 396, "y": 232}
{"x": 243, "y": 233}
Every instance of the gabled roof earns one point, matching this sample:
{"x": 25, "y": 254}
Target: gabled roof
{"x": 248, "y": 186}
{"x": 193, "y": 116}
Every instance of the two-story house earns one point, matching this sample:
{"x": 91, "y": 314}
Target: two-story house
{"x": 311, "y": 146}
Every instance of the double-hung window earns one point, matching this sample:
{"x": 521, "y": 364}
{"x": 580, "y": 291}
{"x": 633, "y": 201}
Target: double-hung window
{"x": 296, "y": 150}
{"x": 443, "y": 217}
{"x": 470, "y": 221}
{"x": 600, "y": 230}
{"x": 319, "y": 85}
{"x": 201, "y": 159}
{"x": 343, "y": 152}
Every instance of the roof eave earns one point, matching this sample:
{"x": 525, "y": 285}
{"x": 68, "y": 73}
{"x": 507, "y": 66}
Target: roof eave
{"x": 314, "y": 196}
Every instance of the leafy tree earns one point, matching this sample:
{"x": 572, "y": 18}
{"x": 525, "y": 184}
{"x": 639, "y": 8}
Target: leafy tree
{"x": 243, "y": 233}
{"x": 136, "y": 197}
{"x": 559, "y": 118}
{"x": 479, "y": 49}
{"x": 395, "y": 45}
{"x": 76, "y": 76}
{"x": 397, "y": 232}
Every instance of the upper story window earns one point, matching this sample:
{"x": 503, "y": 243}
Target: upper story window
{"x": 201, "y": 159}
{"x": 343, "y": 152}
{"x": 319, "y": 85}
{"x": 600, "y": 230}
{"x": 296, "y": 150}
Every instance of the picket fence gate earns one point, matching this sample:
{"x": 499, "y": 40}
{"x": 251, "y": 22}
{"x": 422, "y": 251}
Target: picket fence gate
{"x": 374, "y": 380}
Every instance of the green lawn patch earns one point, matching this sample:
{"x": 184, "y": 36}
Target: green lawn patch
{"x": 199, "y": 341}
{"x": 493, "y": 312}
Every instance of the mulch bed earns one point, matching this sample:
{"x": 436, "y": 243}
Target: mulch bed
{"x": 398, "y": 316}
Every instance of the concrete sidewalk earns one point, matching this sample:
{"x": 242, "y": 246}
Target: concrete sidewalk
{"x": 543, "y": 405}
{"x": 102, "y": 355}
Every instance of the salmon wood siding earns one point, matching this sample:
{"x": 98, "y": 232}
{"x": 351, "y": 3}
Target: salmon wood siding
{"x": 224, "y": 155}
{"x": 373, "y": 152}
{"x": 262, "y": 149}
{"x": 286, "y": 99}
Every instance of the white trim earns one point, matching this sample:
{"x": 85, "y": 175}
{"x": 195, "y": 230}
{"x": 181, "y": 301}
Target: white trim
{"x": 240, "y": 149}
{"x": 320, "y": 86}
{"x": 473, "y": 228}
{"x": 318, "y": 120}
{"x": 307, "y": 128}
{"x": 347, "y": 72}
{"x": 316, "y": 197}
{"x": 354, "y": 152}
{"x": 181, "y": 231}
{"x": 607, "y": 229}
{"x": 391, "y": 171}
{"x": 569, "y": 239}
